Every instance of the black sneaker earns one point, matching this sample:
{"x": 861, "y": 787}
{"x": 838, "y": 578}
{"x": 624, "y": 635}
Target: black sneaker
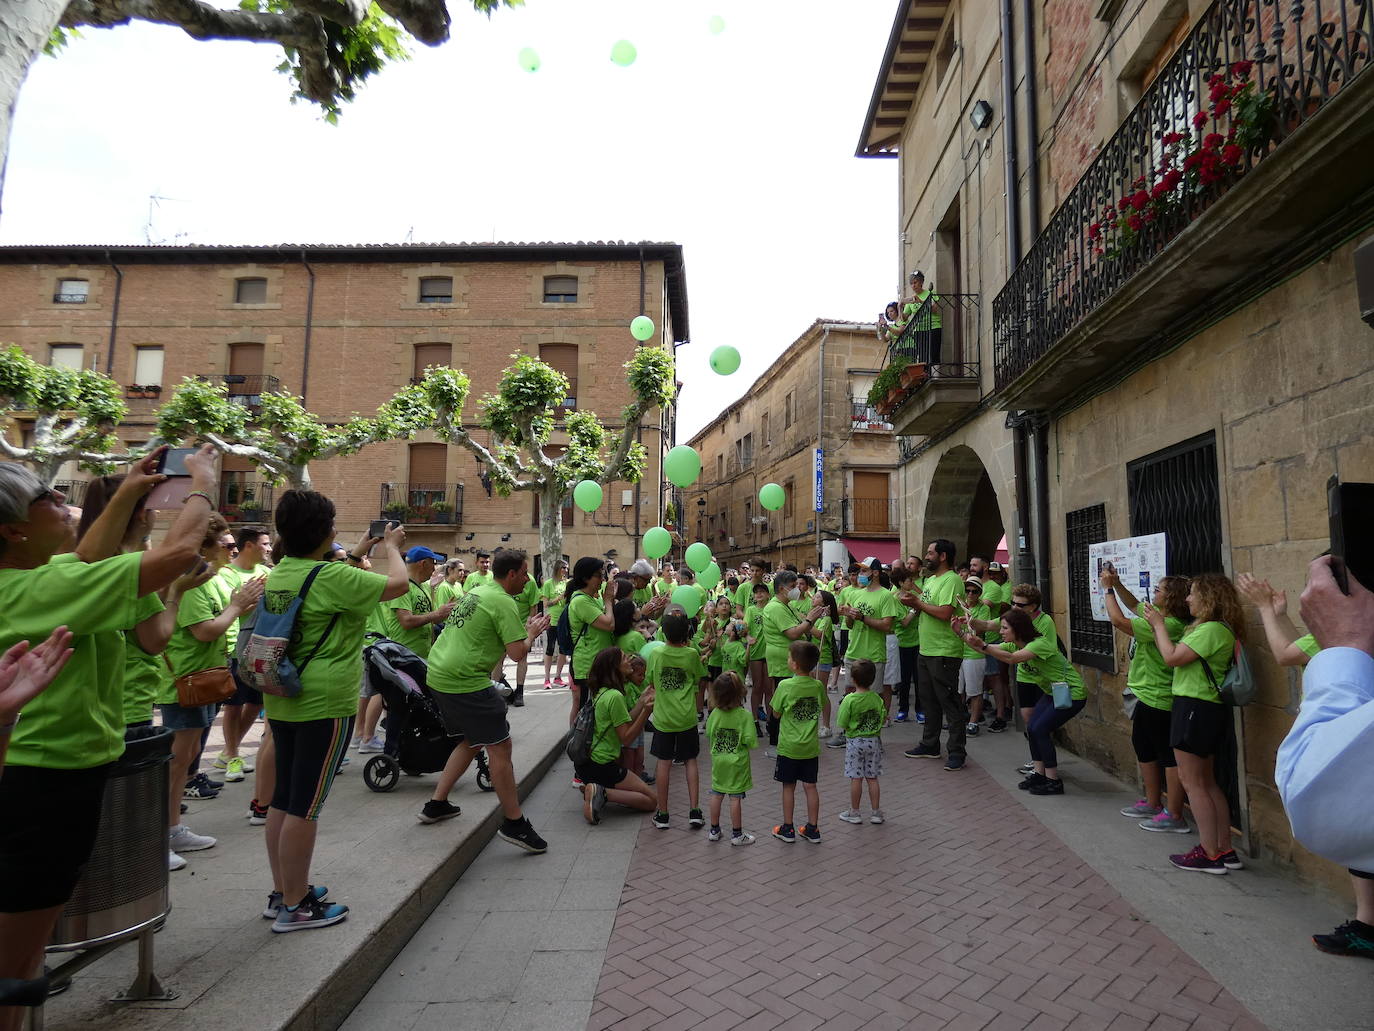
{"x": 184, "y": 808}
{"x": 434, "y": 811}
{"x": 518, "y": 699}
{"x": 954, "y": 764}
{"x": 1031, "y": 781}
{"x": 785, "y": 832}
{"x": 520, "y": 834}
{"x": 196, "y": 790}
{"x": 922, "y": 752}
{"x": 1047, "y": 787}
{"x": 997, "y": 726}
{"x": 206, "y": 779}
{"x": 274, "y": 900}
{"x": 661, "y": 821}
{"x": 811, "y": 833}
{"x": 695, "y": 819}
{"x": 1350, "y": 939}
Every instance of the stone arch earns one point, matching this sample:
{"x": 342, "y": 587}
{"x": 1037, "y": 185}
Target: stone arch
{"x": 962, "y": 504}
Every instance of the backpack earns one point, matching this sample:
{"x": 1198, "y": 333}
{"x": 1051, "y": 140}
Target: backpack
{"x": 564, "y": 632}
{"x": 261, "y": 661}
{"x": 1238, "y": 686}
{"x": 583, "y": 733}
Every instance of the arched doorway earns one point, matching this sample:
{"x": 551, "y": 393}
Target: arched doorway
{"x": 962, "y": 505}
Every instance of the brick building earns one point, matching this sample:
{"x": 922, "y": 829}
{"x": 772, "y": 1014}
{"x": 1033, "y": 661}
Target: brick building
{"x": 813, "y": 397}
{"x": 348, "y": 326}
{"x": 1200, "y": 369}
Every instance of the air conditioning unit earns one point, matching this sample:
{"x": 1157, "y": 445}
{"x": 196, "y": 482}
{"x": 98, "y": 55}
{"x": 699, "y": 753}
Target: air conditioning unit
{"x": 627, "y": 498}
{"x": 759, "y": 520}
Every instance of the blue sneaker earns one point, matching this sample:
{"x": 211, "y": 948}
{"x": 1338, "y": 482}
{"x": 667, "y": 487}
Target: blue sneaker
{"x": 901, "y": 716}
{"x": 308, "y": 915}
{"x": 920, "y": 717}
{"x": 273, "y": 907}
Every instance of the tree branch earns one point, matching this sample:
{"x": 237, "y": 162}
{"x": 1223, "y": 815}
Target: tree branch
{"x": 627, "y": 438}
{"x": 14, "y": 454}
{"x": 426, "y": 20}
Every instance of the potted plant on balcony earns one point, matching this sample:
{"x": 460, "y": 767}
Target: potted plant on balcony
{"x": 887, "y": 390}
{"x": 397, "y": 510}
{"x": 441, "y": 512}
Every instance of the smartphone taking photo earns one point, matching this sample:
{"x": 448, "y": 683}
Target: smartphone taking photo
{"x": 171, "y": 492}
{"x": 1350, "y": 510}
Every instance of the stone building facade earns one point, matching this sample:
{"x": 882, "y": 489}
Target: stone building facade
{"x": 815, "y": 396}
{"x": 348, "y": 326}
{"x": 1200, "y": 371}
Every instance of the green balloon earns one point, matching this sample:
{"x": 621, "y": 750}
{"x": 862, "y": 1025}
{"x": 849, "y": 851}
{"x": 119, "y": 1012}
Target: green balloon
{"x": 698, "y": 556}
{"x": 529, "y": 60}
{"x": 689, "y": 598}
{"x": 649, "y": 649}
{"x": 682, "y": 466}
{"x": 657, "y": 541}
{"x": 724, "y": 360}
{"x": 709, "y": 577}
{"x": 587, "y": 495}
{"x": 772, "y": 496}
{"x": 624, "y": 53}
{"x": 716, "y": 24}
{"x": 641, "y": 327}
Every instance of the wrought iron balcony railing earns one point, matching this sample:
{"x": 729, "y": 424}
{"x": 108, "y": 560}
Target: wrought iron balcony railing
{"x": 423, "y": 503}
{"x": 246, "y": 501}
{"x": 865, "y": 416}
{"x": 68, "y": 298}
{"x": 869, "y": 515}
{"x": 943, "y": 334}
{"x": 1248, "y": 75}
{"x": 245, "y": 389}
{"x": 73, "y": 490}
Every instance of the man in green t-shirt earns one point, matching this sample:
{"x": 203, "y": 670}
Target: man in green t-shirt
{"x": 482, "y": 574}
{"x": 481, "y": 628}
{"x": 744, "y": 595}
{"x": 997, "y": 597}
{"x": 410, "y": 619}
{"x": 941, "y": 655}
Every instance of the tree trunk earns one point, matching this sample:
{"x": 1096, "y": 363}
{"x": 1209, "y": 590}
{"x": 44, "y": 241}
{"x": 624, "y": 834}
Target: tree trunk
{"x": 550, "y": 527}
{"x": 46, "y": 469}
{"x": 298, "y": 477}
{"x": 25, "y": 27}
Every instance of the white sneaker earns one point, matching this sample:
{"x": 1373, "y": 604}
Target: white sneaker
{"x": 220, "y": 761}
{"x": 744, "y": 839}
{"x": 877, "y": 816}
{"x": 355, "y": 743}
{"x": 825, "y": 732}
{"x": 248, "y": 764}
{"x": 372, "y": 744}
{"x": 174, "y": 861}
{"x": 234, "y": 772}
{"x": 770, "y": 753}
{"x": 851, "y": 816}
{"x": 183, "y": 839}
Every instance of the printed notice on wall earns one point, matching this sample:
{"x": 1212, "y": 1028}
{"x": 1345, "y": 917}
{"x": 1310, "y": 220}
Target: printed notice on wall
{"x": 1138, "y": 561}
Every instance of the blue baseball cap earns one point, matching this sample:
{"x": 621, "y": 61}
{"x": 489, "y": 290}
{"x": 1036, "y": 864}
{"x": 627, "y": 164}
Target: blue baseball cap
{"x": 419, "y": 554}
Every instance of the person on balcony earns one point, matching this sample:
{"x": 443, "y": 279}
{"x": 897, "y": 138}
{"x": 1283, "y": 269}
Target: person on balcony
{"x": 922, "y": 313}
{"x": 891, "y": 323}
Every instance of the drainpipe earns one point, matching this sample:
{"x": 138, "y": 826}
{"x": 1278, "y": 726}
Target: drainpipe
{"x": 1021, "y": 546}
{"x": 114, "y": 312}
{"x": 309, "y": 319}
{"x": 1040, "y": 428}
{"x": 1032, "y": 123}
{"x": 1009, "y": 138}
{"x": 820, "y": 434}
{"x": 638, "y": 433}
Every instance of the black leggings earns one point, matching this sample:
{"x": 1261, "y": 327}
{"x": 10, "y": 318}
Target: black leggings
{"x": 1044, "y": 722}
{"x": 907, "y": 656}
{"x": 773, "y": 722}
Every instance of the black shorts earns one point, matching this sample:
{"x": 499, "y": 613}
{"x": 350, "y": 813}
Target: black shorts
{"x": 308, "y": 757}
{"x": 1198, "y": 727}
{"x": 477, "y": 716}
{"x": 608, "y": 775}
{"x": 49, "y": 829}
{"x": 676, "y": 744}
{"x": 1027, "y": 695}
{"x": 789, "y": 771}
{"x": 1150, "y": 730}
{"x": 244, "y": 695}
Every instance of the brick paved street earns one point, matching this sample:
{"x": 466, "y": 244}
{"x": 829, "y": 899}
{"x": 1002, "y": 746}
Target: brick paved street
{"x": 962, "y": 911}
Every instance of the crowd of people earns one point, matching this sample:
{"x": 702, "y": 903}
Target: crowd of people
{"x": 131, "y": 634}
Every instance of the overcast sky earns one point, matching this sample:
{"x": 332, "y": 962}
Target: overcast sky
{"x": 738, "y": 145}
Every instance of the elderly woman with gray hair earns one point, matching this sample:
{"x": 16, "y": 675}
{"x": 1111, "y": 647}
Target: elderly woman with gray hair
{"x": 61, "y": 749}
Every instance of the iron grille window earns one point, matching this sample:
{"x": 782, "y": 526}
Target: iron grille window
{"x": 1090, "y": 639}
{"x": 1174, "y": 492}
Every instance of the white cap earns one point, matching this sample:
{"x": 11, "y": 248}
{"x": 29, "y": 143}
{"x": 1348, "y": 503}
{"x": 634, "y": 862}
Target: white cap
{"x": 871, "y": 562}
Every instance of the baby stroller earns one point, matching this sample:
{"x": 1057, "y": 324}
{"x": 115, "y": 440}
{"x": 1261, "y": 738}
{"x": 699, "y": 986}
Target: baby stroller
{"x": 416, "y": 742}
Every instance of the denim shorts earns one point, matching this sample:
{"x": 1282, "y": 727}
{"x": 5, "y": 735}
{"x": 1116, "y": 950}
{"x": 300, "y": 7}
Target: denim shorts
{"x": 187, "y": 717}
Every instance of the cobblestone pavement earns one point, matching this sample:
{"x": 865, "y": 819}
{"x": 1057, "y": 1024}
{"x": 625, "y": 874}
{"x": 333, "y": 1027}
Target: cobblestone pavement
{"x": 962, "y": 911}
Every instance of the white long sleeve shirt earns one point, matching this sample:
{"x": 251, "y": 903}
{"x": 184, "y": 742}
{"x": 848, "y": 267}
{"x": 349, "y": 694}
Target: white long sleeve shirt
{"x": 1325, "y": 768}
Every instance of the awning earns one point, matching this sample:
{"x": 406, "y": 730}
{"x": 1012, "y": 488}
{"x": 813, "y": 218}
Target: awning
{"x": 884, "y": 549}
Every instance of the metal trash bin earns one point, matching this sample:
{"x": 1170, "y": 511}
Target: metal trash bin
{"x": 123, "y": 888}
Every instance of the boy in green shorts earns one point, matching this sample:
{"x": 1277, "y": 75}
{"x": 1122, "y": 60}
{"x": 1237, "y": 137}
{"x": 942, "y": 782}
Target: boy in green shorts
{"x": 797, "y": 706}
{"x": 861, "y": 717}
{"x": 677, "y": 675}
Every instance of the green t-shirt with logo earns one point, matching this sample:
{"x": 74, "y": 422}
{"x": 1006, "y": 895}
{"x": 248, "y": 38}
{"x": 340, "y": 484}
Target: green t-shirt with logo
{"x": 753, "y": 621}
{"x": 1045, "y": 625}
{"x": 663, "y": 585}
{"x": 384, "y": 621}
{"x": 675, "y": 672}
{"x": 1308, "y": 645}
{"x": 1149, "y": 678}
{"x": 730, "y": 734}
{"x": 583, "y": 611}
{"x": 777, "y": 618}
{"x": 744, "y": 595}
{"x": 611, "y": 711}
{"x": 825, "y": 626}
{"x": 797, "y": 701}
{"x": 977, "y": 612}
{"x": 937, "y": 636}
{"x": 908, "y": 634}
{"x": 186, "y": 654}
{"x": 527, "y": 599}
{"x": 553, "y": 592}
{"x": 641, "y": 596}
{"x": 1214, "y": 645}
{"x": 78, "y": 722}
{"x": 476, "y": 579}
{"x": 445, "y": 592}
{"x": 864, "y": 641}
{"x": 474, "y": 640}
{"x": 329, "y": 682}
{"x": 144, "y": 674}
{"x": 862, "y": 714}
{"x": 1049, "y": 667}
{"x": 732, "y": 657}
{"x": 995, "y": 594}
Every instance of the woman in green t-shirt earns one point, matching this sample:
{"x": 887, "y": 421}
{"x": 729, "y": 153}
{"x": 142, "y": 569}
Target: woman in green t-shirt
{"x": 1041, "y": 660}
{"x": 591, "y": 621}
{"x": 1200, "y": 719}
{"x": 1152, "y": 684}
{"x": 552, "y": 591}
{"x": 615, "y": 726}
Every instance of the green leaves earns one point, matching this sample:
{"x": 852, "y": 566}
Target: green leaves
{"x": 650, "y": 375}
{"x": 75, "y": 412}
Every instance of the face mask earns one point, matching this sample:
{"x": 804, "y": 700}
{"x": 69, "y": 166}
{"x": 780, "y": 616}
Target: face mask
{"x": 794, "y": 594}
{"x": 863, "y": 581}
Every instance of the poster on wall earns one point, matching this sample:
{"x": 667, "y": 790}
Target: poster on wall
{"x": 1138, "y": 561}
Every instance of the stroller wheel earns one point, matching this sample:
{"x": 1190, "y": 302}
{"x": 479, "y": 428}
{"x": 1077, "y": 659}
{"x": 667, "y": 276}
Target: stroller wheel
{"x": 483, "y": 773}
{"x": 382, "y": 773}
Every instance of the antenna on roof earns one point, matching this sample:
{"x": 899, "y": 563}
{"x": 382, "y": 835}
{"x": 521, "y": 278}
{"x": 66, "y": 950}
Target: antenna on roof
{"x": 410, "y": 235}
{"x": 154, "y": 201}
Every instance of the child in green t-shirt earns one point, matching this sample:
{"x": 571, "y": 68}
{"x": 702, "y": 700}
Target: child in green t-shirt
{"x": 632, "y": 755}
{"x": 861, "y": 717}
{"x": 760, "y": 685}
{"x": 733, "y": 651}
{"x": 797, "y": 705}
{"x": 730, "y": 734}
{"x": 678, "y": 677}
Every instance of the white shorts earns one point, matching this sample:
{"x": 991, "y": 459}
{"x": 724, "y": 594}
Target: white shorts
{"x": 892, "y": 667}
{"x": 971, "y": 673}
{"x": 863, "y": 758}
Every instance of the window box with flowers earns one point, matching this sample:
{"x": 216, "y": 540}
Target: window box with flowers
{"x": 136, "y": 391}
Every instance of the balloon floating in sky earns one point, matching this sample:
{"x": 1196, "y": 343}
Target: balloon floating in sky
{"x": 623, "y": 53}
{"x": 682, "y": 465}
{"x": 709, "y": 577}
{"x": 529, "y": 60}
{"x": 641, "y": 327}
{"x": 698, "y": 556}
{"x": 724, "y": 360}
{"x": 716, "y": 24}
{"x": 689, "y": 598}
{"x": 588, "y": 495}
{"x": 657, "y": 541}
{"x": 772, "y": 496}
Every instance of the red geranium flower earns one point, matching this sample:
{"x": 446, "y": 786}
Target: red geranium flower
{"x": 1212, "y": 140}
{"x": 1139, "y": 199}
{"x": 1221, "y": 107}
{"x": 1159, "y": 190}
{"x": 1134, "y": 222}
{"x": 1170, "y": 138}
{"x": 1094, "y": 230}
{"x": 1231, "y": 154}
{"x": 1241, "y": 69}
{"x": 1200, "y": 119}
